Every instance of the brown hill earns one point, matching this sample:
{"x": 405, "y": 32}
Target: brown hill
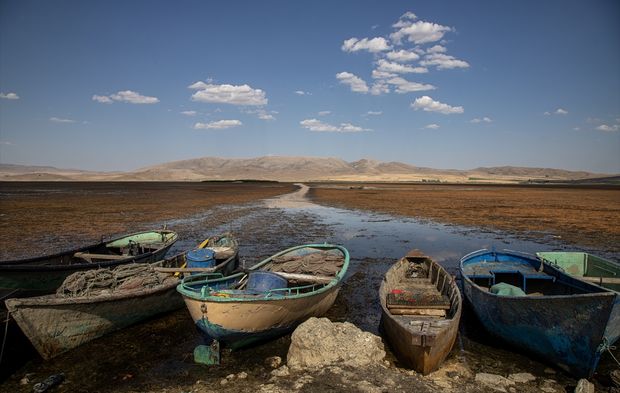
{"x": 294, "y": 169}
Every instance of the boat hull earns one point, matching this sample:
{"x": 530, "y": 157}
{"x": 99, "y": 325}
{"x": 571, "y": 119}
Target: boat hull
{"x": 56, "y": 325}
{"x": 238, "y": 323}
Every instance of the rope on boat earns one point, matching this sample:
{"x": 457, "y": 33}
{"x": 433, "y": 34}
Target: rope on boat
{"x": 318, "y": 263}
{"x": 606, "y": 347}
{"x": 6, "y": 330}
{"x": 104, "y": 281}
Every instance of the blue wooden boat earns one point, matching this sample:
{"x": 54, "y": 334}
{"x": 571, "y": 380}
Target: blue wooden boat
{"x": 538, "y": 308}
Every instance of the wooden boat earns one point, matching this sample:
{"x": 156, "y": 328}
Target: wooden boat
{"x": 42, "y": 275}
{"x": 540, "y": 309}
{"x": 57, "y": 323}
{"x": 586, "y": 267}
{"x": 421, "y": 309}
{"x": 275, "y": 295}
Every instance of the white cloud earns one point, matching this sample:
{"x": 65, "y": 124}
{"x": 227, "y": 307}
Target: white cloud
{"x": 405, "y": 20}
{"x": 376, "y": 74}
{"x": 9, "y": 96}
{"x": 60, "y": 120}
{"x": 228, "y": 94}
{"x": 432, "y": 126}
{"x": 389, "y": 67}
{"x": 374, "y": 113}
{"x": 7, "y": 143}
{"x": 189, "y": 113}
{"x": 419, "y": 32}
{"x": 128, "y": 96}
{"x": 302, "y": 93}
{"x": 132, "y": 97}
{"x": 402, "y": 56}
{"x": 319, "y": 126}
{"x": 262, "y": 114}
{"x": 443, "y": 61}
{"x": 558, "y": 111}
{"x": 324, "y": 113}
{"x": 379, "y": 87}
{"x": 436, "y": 49}
{"x": 357, "y": 84}
{"x": 102, "y": 99}
{"x": 607, "y": 128}
{"x": 481, "y": 120}
{"x": 373, "y": 45}
{"x": 427, "y": 104}
{"x": 217, "y": 125}
{"x": 404, "y": 86}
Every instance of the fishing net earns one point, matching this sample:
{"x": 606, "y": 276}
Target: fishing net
{"x": 105, "y": 281}
{"x": 318, "y": 263}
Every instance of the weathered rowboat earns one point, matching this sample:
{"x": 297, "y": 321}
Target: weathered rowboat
{"x": 42, "y": 275}
{"x": 275, "y": 295}
{"x": 586, "y": 267}
{"x": 538, "y": 308}
{"x": 75, "y": 315}
{"x": 421, "y": 309}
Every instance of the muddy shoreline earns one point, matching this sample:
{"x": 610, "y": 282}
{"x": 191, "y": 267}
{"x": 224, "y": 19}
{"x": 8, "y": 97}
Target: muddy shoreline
{"x": 156, "y": 355}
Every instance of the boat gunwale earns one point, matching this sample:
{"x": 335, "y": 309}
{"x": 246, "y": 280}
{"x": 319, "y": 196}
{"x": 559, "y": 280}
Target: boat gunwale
{"x": 601, "y": 292}
{"x": 25, "y": 265}
{"x": 186, "y": 291}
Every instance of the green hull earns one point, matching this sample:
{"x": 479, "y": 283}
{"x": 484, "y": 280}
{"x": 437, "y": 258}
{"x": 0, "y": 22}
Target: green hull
{"x": 586, "y": 266}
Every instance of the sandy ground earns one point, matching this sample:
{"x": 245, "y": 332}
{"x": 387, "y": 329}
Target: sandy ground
{"x": 582, "y": 216}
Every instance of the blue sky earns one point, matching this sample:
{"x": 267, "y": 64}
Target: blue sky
{"x": 118, "y": 85}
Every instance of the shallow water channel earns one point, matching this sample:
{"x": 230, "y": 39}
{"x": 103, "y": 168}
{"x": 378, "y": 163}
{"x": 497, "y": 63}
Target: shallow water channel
{"x": 158, "y": 353}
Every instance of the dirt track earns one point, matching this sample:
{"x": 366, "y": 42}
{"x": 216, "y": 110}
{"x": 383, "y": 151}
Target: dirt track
{"x": 581, "y": 216}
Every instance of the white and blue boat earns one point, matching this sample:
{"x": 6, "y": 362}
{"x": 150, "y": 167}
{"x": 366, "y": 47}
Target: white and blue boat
{"x": 273, "y": 297}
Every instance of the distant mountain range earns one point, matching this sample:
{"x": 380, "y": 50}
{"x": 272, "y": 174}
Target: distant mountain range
{"x": 295, "y": 169}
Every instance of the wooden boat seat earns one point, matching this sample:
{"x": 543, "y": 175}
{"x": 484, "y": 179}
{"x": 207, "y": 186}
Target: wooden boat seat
{"x": 421, "y": 300}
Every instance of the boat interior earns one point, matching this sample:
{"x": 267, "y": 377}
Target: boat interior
{"x": 419, "y": 294}
{"x": 301, "y": 271}
{"x": 530, "y": 278}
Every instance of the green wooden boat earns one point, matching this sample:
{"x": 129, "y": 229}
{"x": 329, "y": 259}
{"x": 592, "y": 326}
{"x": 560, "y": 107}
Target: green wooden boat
{"x": 43, "y": 274}
{"x": 586, "y": 267}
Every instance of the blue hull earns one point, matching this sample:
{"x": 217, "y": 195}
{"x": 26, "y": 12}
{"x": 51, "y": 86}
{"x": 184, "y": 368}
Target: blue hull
{"x": 237, "y": 339}
{"x": 568, "y": 328}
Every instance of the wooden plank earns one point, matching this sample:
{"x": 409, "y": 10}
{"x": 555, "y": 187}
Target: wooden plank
{"x": 306, "y": 277}
{"x": 601, "y": 280}
{"x": 89, "y": 257}
{"x": 423, "y": 312}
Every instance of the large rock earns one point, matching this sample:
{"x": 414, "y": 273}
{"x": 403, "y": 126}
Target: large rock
{"x": 494, "y": 381}
{"x": 584, "y": 386}
{"x": 319, "y": 342}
